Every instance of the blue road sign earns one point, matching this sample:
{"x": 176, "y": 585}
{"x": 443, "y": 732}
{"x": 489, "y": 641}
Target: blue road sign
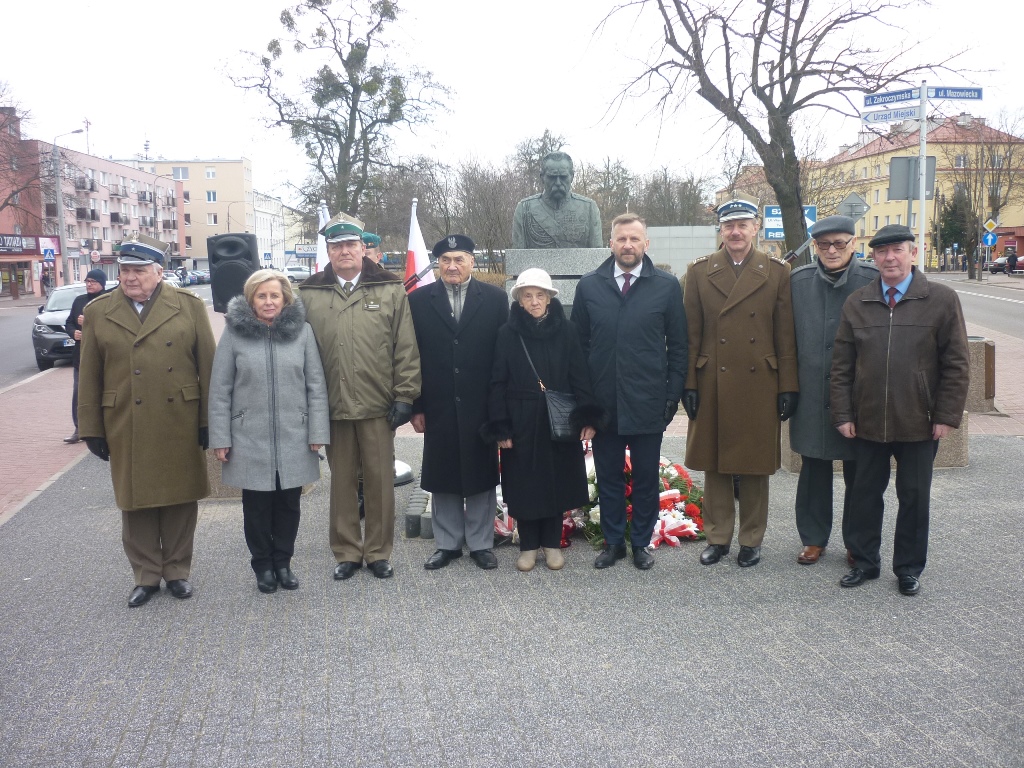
{"x": 773, "y": 221}
{"x": 989, "y": 239}
{"x": 960, "y": 94}
{"x": 267, "y": 257}
{"x": 49, "y": 254}
{"x": 892, "y": 97}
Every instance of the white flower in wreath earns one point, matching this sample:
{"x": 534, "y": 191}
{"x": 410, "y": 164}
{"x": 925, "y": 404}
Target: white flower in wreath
{"x": 592, "y": 491}
{"x": 595, "y": 515}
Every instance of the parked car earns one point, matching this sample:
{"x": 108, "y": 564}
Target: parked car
{"x": 999, "y": 265}
{"x": 50, "y": 340}
{"x": 198, "y": 278}
{"x": 173, "y": 279}
{"x": 296, "y": 273}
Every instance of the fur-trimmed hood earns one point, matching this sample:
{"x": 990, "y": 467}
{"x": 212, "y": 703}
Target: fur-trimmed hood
{"x": 242, "y": 320}
{"x": 371, "y": 274}
{"x": 523, "y": 323}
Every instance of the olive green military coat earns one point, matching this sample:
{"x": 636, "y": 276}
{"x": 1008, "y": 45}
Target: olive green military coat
{"x": 144, "y": 387}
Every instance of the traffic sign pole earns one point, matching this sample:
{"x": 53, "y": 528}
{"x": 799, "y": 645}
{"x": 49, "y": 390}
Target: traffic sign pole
{"x": 922, "y": 172}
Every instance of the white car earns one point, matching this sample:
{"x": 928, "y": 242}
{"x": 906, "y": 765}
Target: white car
{"x": 296, "y": 273}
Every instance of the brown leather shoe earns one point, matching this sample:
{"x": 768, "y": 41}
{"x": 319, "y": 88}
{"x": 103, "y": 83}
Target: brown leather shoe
{"x": 810, "y": 555}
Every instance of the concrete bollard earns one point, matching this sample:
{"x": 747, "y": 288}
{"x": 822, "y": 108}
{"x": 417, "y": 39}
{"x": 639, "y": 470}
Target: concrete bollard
{"x": 426, "y": 526}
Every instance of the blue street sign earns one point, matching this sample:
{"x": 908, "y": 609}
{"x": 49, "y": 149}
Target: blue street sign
{"x": 267, "y": 257}
{"x": 961, "y": 94}
{"x": 773, "y": 220}
{"x": 989, "y": 239}
{"x": 895, "y": 115}
{"x": 49, "y": 254}
{"x": 892, "y": 97}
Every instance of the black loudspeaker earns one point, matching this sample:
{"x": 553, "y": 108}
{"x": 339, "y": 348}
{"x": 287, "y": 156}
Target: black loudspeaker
{"x": 233, "y": 257}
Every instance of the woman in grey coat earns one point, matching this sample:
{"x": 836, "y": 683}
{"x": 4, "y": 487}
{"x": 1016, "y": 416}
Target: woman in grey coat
{"x": 268, "y": 418}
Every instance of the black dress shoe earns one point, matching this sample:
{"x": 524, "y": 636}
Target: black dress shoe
{"x": 381, "y": 569}
{"x": 441, "y": 558}
{"x": 642, "y": 558}
{"x": 286, "y": 578}
{"x": 856, "y": 577}
{"x": 180, "y": 588}
{"x": 485, "y": 559}
{"x": 345, "y": 570}
{"x": 909, "y": 585}
{"x": 266, "y": 582}
{"x": 748, "y": 556}
{"x": 610, "y": 555}
{"x": 141, "y": 595}
{"x": 713, "y": 553}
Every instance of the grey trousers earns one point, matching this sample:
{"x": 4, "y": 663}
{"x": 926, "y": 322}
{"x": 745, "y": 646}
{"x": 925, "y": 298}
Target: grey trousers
{"x": 468, "y": 520}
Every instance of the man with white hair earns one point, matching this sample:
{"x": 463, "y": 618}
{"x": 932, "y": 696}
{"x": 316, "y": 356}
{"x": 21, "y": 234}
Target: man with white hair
{"x": 147, "y": 353}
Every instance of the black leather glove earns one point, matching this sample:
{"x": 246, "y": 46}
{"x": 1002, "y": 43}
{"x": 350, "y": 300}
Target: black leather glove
{"x": 398, "y": 414}
{"x": 691, "y": 402}
{"x": 671, "y": 406}
{"x": 204, "y": 437}
{"x": 98, "y": 447}
{"x": 787, "y": 404}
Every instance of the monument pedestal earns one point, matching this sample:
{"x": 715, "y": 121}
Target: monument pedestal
{"x": 565, "y": 265}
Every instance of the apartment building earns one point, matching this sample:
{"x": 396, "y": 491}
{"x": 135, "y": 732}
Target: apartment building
{"x": 268, "y": 225}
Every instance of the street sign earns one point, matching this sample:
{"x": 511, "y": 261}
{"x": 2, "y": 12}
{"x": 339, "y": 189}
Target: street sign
{"x": 989, "y": 239}
{"x": 895, "y": 115}
{"x": 854, "y": 206}
{"x": 773, "y": 221}
{"x": 892, "y": 97}
{"x": 959, "y": 94}
{"x": 903, "y": 178}
{"x": 990, "y": 225}
{"x": 49, "y": 254}
{"x": 305, "y": 249}
{"x": 267, "y": 256}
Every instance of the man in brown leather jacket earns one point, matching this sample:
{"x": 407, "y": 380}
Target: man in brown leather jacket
{"x": 899, "y": 384}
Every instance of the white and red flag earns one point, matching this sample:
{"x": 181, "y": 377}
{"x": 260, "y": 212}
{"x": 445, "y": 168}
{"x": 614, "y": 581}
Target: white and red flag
{"x": 418, "y": 270}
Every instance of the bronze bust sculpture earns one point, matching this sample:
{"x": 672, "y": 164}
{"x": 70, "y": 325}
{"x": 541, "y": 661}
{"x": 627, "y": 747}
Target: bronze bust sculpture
{"x": 557, "y": 217}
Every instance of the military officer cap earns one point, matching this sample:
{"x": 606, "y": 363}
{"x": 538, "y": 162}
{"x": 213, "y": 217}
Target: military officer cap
{"x": 342, "y": 228}
{"x": 830, "y": 224}
{"x": 737, "y": 209}
{"x": 453, "y": 243}
{"x": 140, "y": 250}
{"x": 370, "y": 240}
{"x": 891, "y": 233}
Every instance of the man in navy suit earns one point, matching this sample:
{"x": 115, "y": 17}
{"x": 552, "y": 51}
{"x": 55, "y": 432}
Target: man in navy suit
{"x": 457, "y": 322}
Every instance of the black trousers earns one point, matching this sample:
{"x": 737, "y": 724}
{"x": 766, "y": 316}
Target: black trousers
{"x": 74, "y": 401}
{"x": 610, "y": 461}
{"x": 814, "y": 499}
{"x": 545, "y": 532}
{"x": 271, "y": 523}
{"x": 863, "y": 529}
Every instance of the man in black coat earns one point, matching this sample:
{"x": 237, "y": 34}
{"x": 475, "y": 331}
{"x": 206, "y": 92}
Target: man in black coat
{"x": 457, "y": 322}
{"x": 95, "y": 285}
{"x": 632, "y": 326}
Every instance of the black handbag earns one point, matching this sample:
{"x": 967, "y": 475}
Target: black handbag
{"x": 559, "y": 406}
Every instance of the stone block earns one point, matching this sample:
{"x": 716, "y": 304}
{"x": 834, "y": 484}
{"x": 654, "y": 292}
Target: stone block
{"x": 982, "y": 389}
{"x": 564, "y": 262}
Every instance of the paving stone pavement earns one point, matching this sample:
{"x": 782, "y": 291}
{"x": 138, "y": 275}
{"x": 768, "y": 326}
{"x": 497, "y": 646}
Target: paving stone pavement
{"x": 773, "y": 665}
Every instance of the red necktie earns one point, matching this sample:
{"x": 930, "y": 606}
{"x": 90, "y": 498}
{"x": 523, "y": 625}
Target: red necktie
{"x": 892, "y": 297}
{"x": 626, "y": 277}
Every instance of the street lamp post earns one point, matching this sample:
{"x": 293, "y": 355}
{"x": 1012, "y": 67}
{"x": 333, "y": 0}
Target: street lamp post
{"x": 156, "y": 210}
{"x": 230, "y": 203}
{"x": 60, "y": 203}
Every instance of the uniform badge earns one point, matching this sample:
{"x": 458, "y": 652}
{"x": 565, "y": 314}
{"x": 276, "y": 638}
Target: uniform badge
{"x": 452, "y": 242}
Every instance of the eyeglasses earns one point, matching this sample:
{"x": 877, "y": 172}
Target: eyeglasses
{"x": 825, "y": 246}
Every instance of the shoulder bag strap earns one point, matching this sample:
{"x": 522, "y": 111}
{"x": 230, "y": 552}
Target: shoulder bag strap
{"x": 530, "y": 361}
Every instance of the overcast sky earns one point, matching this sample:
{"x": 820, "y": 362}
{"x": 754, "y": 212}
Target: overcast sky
{"x": 158, "y": 72}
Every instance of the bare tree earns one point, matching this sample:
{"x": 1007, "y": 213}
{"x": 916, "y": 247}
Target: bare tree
{"x": 344, "y": 115}
{"x": 761, "y": 64}
{"x": 666, "y": 199}
{"x": 610, "y": 185}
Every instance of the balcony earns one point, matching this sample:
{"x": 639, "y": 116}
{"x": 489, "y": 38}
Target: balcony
{"x": 85, "y": 184}
{"x": 118, "y": 190}
{"x": 145, "y": 197}
{"x": 174, "y": 247}
{"x": 81, "y": 213}
{"x": 118, "y": 218}
{"x": 169, "y": 224}
{"x": 172, "y": 202}
{"x": 94, "y": 215}
{"x": 146, "y": 221}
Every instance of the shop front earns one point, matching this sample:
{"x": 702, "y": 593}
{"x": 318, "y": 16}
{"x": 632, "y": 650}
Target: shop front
{"x": 28, "y": 265}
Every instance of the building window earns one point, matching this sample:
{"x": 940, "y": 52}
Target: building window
{"x": 95, "y": 233}
{"x": 211, "y": 218}
{"x": 899, "y": 218}
{"x": 864, "y": 172}
{"x": 179, "y": 173}
{"x": 135, "y": 211}
{"x": 106, "y": 233}
{"x": 103, "y": 178}
{"x": 876, "y": 223}
{"x": 211, "y": 196}
{"x": 188, "y": 242}
{"x": 877, "y": 193}
{"x": 211, "y": 172}
{"x": 913, "y": 220}
{"x": 887, "y": 221}
{"x": 996, "y": 161}
{"x": 961, "y": 161}
{"x": 878, "y": 171}
{"x": 188, "y": 219}
{"x": 186, "y": 196}
{"x": 106, "y": 206}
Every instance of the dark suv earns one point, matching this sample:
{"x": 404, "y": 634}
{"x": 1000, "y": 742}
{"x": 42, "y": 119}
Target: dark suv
{"x": 49, "y": 338}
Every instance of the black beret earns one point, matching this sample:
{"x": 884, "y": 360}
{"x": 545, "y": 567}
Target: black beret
{"x": 833, "y": 224}
{"x": 891, "y": 233}
{"x": 453, "y": 243}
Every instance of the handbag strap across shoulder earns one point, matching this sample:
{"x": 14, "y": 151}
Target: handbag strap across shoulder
{"x": 532, "y": 368}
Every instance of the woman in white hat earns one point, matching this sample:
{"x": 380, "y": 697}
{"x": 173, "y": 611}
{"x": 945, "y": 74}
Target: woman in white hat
{"x": 540, "y": 479}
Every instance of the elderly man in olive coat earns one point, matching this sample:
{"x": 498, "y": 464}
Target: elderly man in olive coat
{"x": 741, "y": 380}
{"x": 147, "y": 352}
{"x": 819, "y": 291}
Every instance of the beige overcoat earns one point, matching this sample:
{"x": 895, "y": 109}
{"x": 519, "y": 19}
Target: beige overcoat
{"x": 144, "y": 387}
{"x": 742, "y": 355}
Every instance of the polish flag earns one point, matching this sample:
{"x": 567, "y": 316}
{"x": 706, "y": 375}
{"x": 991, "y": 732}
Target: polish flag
{"x": 323, "y": 216}
{"x": 418, "y": 270}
